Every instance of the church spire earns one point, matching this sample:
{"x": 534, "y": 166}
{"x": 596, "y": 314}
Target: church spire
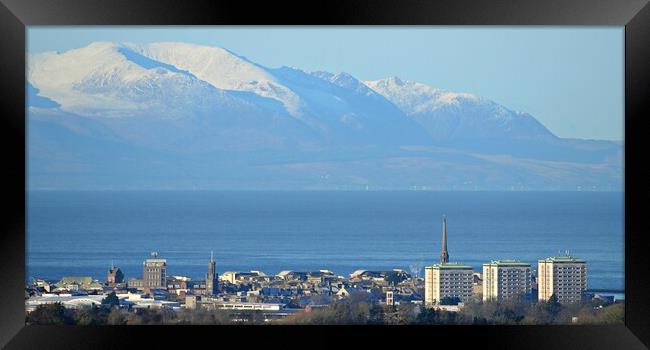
{"x": 444, "y": 256}
{"x": 211, "y": 278}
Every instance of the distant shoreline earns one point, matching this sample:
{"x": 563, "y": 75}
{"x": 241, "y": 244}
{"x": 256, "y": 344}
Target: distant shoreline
{"x": 604, "y": 290}
{"x": 315, "y": 190}
{"x": 80, "y": 233}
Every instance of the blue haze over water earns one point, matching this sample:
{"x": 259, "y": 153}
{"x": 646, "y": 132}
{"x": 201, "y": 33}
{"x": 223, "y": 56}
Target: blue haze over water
{"x": 80, "y": 233}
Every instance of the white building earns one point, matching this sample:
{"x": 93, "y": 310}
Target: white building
{"x": 69, "y": 301}
{"x": 235, "y": 277}
{"x": 504, "y": 279}
{"x": 284, "y": 274}
{"x": 448, "y": 308}
{"x": 447, "y": 280}
{"x": 390, "y": 298}
{"x": 345, "y": 291}
{"x": 143, "y": 301}
{"x": 228, "y": 276}
{"x": 564, "y": 276}
{"x": 250, "y": 306}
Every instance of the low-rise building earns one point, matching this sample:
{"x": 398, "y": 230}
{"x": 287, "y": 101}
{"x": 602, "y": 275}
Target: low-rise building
{"x": 78, "y": 283}
{"x": 390, "y": 301}
{"x": 43, "y": 285}
{"x": 178, "y": 284}
{"x": 234, "y": 277}
{"x": 67, "y": 300}
{"x": 144, "y": 301}
{"x": 135, "y": 283}
{"x": 345, "y": 291}
{"x": 249, "y": 306}
{"x": 228, "y": 276}
{"x": 114, "y": 276}
{"x": 318, "y": 277}
{"x": 448, "y": 308}
{"x": 197, "y": 287}
{"x": 192, "y": 301}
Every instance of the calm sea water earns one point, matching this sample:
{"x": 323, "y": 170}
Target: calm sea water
{"x": 81, "y": 233}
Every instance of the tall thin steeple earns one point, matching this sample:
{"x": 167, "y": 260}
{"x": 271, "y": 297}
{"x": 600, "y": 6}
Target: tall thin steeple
{"x": 444, "y": 256}
{"x": 211, "y": 278}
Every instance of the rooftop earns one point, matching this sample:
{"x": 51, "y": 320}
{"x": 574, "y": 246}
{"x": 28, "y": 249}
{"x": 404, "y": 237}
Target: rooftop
{"x": 508, "y": 262}
{"x": 450, "y": 265}
{"x": 563, "y": 259}
{"x": 156, "y": 261}
{"x": 76, "y": 279}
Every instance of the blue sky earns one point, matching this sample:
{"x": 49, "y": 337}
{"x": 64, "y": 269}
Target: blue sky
{"x": 569, "y": 78}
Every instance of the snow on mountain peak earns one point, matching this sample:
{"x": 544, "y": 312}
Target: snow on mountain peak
{"x": 222, "y": 69}
{"x": 171, "y": 78}
{"x": 59, "y": 75}
{"x": 444, "y": 113}
{"x": 106, "y": 79}
{"x": 217, "y": 66}
{"x": 413, "y": 97}
{"x": 395, "y": 81}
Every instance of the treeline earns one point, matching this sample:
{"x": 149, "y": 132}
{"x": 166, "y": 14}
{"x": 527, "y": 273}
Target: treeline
{"x": 521, "y": 311}
{"x": 57, "y": 314}
{"x": 109, "y": 313}
{"x": 511, "y": 312}
{"x": 354, "y": 310}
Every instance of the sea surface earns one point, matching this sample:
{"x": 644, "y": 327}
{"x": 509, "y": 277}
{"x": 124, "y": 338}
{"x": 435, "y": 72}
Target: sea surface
{"x": 83, "y": 233}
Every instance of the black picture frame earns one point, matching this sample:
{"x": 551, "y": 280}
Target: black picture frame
{"x": 15, "y": 15}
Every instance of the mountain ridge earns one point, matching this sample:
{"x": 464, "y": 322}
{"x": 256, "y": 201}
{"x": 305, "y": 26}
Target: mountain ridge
{"x": 218, "y": 109}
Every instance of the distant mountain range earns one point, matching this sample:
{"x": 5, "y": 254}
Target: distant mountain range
{"x": 183, "y": 116}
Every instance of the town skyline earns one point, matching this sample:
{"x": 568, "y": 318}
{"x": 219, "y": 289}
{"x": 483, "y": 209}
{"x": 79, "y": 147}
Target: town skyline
{"x": 317, "y": 168}
{"x": 446, "y": 287}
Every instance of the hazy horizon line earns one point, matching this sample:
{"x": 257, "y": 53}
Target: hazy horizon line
{"x": 297, "y": 190}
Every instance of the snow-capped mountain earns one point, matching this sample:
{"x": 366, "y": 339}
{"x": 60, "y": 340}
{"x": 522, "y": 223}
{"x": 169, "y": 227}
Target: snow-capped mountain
{"x": 449, "y": 115}
{"x": 174, "y": 81}
{"x": 120, "y": 115}
{"x": 469, "y": 122}
{"x": 223, "y": 69}
{"x": 101, "y": 80}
